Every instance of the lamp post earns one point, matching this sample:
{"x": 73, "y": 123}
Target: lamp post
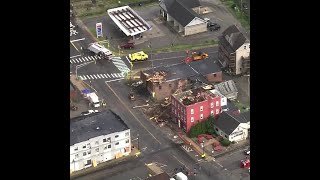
{"x": 153, "y": 93}
{"x": 202, "y": 145}
{"x": 138, "y": 142}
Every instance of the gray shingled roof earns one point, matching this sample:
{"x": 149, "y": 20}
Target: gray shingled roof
{"x": 226, "y": 87}
{"x": 234, "y": 37}
{"x": 181, "y": 10}
{"x": 86, "y": 127}
{"x": 183, "y": 70}
{"x": 228, "y": 121}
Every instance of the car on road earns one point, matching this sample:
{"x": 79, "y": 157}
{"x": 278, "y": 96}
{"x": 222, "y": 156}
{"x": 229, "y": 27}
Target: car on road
{"x": 247, "y": 152}
{"x": 213, "y": 26}
{"x": 85, "y": 113}
{"x": 127, "y": 46}
{"x": 138, "y": 56}
{"x": 245, "y": 6}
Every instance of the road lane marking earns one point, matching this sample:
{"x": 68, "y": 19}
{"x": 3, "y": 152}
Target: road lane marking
{"x": 75, "y": 56}
{"x": 114, "y": 80}
{"x": 77, "y": 40}
{"x": 180, "y": 162}
{"x": 91, "y": 76}
{"x": 135, "y": 117}
{"x": 108, "y": 75}
{"x": 98, "y": 76}
{"x": 74, "y": 47}
{"x": 88, "y": 77}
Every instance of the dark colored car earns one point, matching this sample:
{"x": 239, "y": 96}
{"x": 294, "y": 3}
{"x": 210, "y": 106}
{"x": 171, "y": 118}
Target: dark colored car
{"x": 213, "y": 26}
{"x": 127, "y": 46}
{"x": 245, "y": 6}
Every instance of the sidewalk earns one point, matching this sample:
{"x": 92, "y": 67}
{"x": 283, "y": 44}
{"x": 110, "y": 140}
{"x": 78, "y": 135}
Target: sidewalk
{"x": 134, "y": 153}
{"x": 78, "y": 83}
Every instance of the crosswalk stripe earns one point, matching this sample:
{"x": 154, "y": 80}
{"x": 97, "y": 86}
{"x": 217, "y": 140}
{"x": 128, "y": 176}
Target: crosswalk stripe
{"x": 94, "y": 57}
{"x": 86, "y": 58}
{"x": 102, "y": 75}
{"x": 84, "y": 78}
{"x": 116, "y": 75}
{"x": 90, "y": 57}
{"x": 76, "y": 60}
{"x": 105, "y": 75}
{"x": 108, "y": 76}
{"x": 88, "y": 76}
{"x": 99, "y": 57}
{"x": 98, "y": 76}
{"x": 81, "y": 77}
{"x": 80, "y": 60}
{"x": 95, "y": 76}
{"x": 112, "y": 75}
{"x": 70, "y": 61}
{"x": 119, "y": 64}
{"x": 117, "y": 61}
{"x": 91, "y": 76}
{"x": 121, "y": 74}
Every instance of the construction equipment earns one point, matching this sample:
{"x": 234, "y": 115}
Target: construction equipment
{"x": 199, "y": 56}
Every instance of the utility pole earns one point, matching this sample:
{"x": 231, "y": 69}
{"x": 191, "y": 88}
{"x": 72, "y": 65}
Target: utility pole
{"x": 138, "y": 142}
{"x": 153, "y": 93}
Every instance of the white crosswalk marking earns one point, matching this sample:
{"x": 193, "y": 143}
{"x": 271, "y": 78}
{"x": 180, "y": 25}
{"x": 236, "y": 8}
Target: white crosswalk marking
{"x": 113, "y": 76}
{"x": 89, "y": 57}
{"x": 70, "y": 61}
{"x": 86, "y": 58}
{"x": 76, "y": 60}
{"x": 80, "y": 60}
{"x": 83, "y": 59}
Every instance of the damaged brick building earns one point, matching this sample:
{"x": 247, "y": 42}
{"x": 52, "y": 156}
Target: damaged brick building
{"x": 163, "y": 81}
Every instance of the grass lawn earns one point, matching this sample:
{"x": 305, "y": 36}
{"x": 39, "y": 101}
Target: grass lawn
{"x": 242, "y": 106}
{"x": 234, "y": 9}
{"x": 85, "y": 9}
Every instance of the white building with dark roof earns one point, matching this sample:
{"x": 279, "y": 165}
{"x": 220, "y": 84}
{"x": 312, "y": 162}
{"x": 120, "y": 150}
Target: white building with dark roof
{"x": 233, "y": 126}
{"x": 97, "y": 138}
{"x": 184, "y": 18}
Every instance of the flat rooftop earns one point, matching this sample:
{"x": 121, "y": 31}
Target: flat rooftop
{"x": 183, "y": 70}
{"x": 128, "y": 20}
{"x": 194, "y": 96}
{"x": 87, "y": 127}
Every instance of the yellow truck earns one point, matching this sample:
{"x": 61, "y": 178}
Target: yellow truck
{"x": 199, "y": 56}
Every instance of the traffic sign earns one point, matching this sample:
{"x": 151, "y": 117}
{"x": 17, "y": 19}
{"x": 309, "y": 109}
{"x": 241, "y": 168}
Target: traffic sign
{"x": 99, "y": 30}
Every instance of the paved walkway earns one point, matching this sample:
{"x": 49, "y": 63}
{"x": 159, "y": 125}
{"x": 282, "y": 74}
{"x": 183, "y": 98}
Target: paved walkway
{"x": 78, "y": 83}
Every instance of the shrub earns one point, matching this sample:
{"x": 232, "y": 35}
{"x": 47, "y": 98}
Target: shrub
{"x": 225, "y": 142}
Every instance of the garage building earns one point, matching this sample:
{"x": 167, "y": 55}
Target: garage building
{"x": 184, "y": 18}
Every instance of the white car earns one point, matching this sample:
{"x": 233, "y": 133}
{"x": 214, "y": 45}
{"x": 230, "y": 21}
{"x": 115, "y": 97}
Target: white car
{"x": 85, "y": 113}
{"x": 247, "y": 152}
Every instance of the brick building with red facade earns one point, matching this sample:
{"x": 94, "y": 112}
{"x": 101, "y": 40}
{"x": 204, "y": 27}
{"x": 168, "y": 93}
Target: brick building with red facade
{"x": 194, "y": 106}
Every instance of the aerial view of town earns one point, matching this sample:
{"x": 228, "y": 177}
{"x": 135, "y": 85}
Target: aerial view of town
{"x": 160, "y": 89}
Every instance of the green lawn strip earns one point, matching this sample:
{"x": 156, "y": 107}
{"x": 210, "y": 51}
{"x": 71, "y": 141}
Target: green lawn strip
{"x": 242, "y": 106}
{"x": 243, "y": 18}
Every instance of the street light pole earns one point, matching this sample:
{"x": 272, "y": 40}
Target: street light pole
{"x": 138, "y": 142}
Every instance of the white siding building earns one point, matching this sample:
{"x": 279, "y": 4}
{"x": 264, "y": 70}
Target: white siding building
{"x": 234, "y": 127}
{"x": 96, "y": 139}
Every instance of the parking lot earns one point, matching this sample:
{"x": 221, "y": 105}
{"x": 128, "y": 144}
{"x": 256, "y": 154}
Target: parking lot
{"x": 164, "y": 35}
{"x": 232, "y": 163}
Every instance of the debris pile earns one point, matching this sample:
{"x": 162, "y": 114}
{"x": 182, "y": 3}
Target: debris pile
{"x": 157, "y": 76}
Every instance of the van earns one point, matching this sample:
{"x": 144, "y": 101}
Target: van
{"x": 99, "y": 49}
{"x": 94, "y": 99}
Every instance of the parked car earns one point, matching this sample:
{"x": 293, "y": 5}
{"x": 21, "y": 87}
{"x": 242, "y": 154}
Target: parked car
{"x": 85, "y": 113}
{"x": 245, "y": 6}
{"x": 247, "y": 152}
{"x": 213, "y": 26}
{"x": 127, "y": 46}
{"x": 138, "y": 56}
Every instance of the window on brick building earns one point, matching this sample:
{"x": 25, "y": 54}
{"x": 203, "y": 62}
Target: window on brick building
{"x": 217, "y": 111}
{"x": 175, "y": 112}
{"x": 212, "y": 112}
{"x": 201, "y": 116}
{"x": 217, "y": 103}
{"x": 212, "y": 105}
{"x": 192, "y": 111}
{"x": 214, "y": 75}
{"x": 201, "y": 108}
{"x": 192, "y": 119}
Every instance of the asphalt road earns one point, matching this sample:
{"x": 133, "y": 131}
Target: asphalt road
{"x": 170, "y": 58}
